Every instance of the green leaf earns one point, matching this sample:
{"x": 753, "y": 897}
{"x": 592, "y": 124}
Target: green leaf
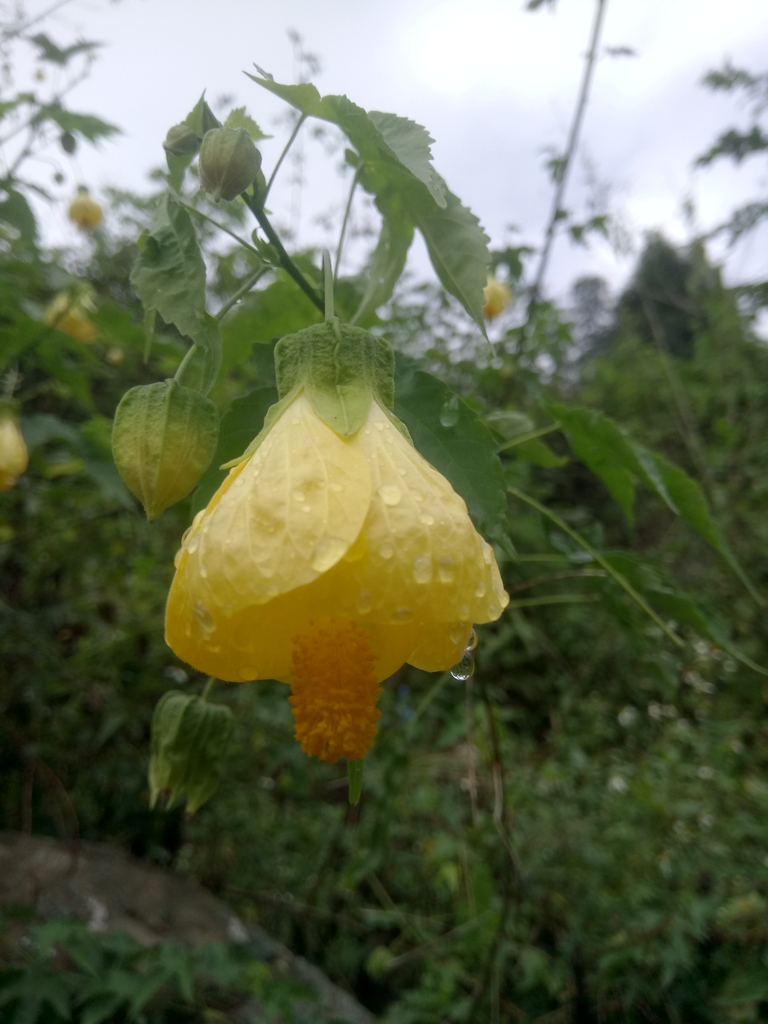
{"x": 239, "y": 118}
{"x": 457, "y": 443}
{"x": 201, "y": 118}
{"x": 389, "y": 256}
{"x": 87, "y": 125}
{"x": 240, "y": 424}
{"x": 169, "y": 277}
{"x": 394, "y": 154}
{"x": 49, "y": 51}
{"x": 16, "y": 212}
{"x": 621, "y": 463}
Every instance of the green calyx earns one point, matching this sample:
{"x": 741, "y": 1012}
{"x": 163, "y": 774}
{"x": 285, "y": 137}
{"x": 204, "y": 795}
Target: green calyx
{"x": 342, "y": 369}
{"x": 163, "y": 439}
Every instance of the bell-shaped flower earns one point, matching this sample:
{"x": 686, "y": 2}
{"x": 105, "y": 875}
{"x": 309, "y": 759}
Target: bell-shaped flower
{"x": 497, "y": 297}
{"x": 333, "y": 553}
{"x": 13, "y": 451}
{"x": 85, "y": 211}
{"x": 68, "y": 313}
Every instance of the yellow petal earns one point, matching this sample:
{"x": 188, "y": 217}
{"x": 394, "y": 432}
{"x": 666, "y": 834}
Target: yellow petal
{"x": 281, "y": 519}
{"x": 440, "y": 647}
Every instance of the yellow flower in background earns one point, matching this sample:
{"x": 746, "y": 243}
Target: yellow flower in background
{"x": 497, "y": 297}
{"x": 69, "y": 313}
{"x": 13, "y": 451}
{"x": 84, "y": 211}
{"x": 328, "y": 561}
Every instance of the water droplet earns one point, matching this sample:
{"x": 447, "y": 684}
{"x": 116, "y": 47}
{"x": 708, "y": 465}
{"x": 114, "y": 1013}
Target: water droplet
{"x": 367, "y": 430}
{"x": 386, "y": 549}
{"x": 487, "y": 555}
{"x": 296, "y": 421}
{"x": 401, "y": 615}
{"x": 203, "y": 571}
{"x": 417, "y": 497}
{"x": 449, "y": 414}
{"x": 458, "y": 634}
{"x": 493, "y": 610}
{"x": 298, "y": 496}
{"x": 465, "y": 668}
{"x": 306, "y": 508}
{"x": 185, "y": 535}
{"x": 198, "y": 516}
{"x": 193, "y": 545}
{"x": 177, "y": 557}
{"x": 480, "y": 589}
{"x": 422, "y": 569}
{"x": 248, "y": 673}
{"x": 472, "y": 642}
{"x": 364, "y": 602}
{"x": 427, "y": 520}
{"x": 337, "y": 488}
{"x": 328, "y": 551}
{"x": 464, "y": 612}
{"x": 203, "y": 616}
{"x": 401, "y": 471}
{"x": 379, "y": 425}
{"x": 239, "y": 481}
{"x": 446, "y": 570}
{"x": 390, "y": 494}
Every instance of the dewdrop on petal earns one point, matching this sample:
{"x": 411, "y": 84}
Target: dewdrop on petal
{"x": 333, "y": 553}
{"x": 84, "y": 211}
{"x": 13, "y": 451}
{"x": 497, "y": 297}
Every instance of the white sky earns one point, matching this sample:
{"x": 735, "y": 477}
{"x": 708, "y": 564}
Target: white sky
{"x": 495, "y": 85}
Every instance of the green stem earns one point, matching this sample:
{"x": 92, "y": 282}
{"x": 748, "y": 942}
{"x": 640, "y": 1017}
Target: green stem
{"x": 285, "y": 260}
{"x": 535, "y": 602}
{"x": 328, "y": 279}
{"x": 340, "y": 246}
{"x": 204, "y": 216}
{"x": 184, "y": 363}
{"x": 284, "y": 154}
{"x": 250, "y": 282}
{"x": 208, "y": 687}
{"x": 623, "y": 583}
{"x": 531, "y": 435}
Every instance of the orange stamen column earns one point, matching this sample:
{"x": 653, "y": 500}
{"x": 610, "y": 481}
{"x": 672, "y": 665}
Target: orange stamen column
{"x": 334, "y": 691}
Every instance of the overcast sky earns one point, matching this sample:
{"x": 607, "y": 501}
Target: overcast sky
{"x": 494, "y": 84}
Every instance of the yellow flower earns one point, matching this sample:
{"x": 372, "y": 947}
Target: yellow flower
{"x": 328, "y": 562}
{"x": 84, "y": 211}
{"x": 497, "y": 297}
{"x": 13, "y": 451}
{"x": 68, "y": 313}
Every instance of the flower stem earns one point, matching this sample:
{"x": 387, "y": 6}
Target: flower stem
{"x": 208, "y": 687}
{"x": 284, "y": 154}
{"x": 184, "y": 363}
{"x": 221, "y": 227}
{"x": 250, "y": 282}
{"x": 355, "y": 772}
{"x": 344, "y": 226}
{"x": 328, "y": 279}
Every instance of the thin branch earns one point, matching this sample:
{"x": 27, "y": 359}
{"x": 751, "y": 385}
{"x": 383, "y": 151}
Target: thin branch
{"x": 530, "y": 435}
{"x": 570, "y": 152}
{"x": 340, "y": 246}
{"x": 283, "y": 155}
{"x": 221, "y": 227}
{"x": 250, "y": 282}
{"x": 621, "y": 580}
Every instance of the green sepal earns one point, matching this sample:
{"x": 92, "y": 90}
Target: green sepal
{"x": 189, "y": 738}
{"x": 341, "y": 368}
{"x": 163, "y": 439}
{"x": 355, "y": 773}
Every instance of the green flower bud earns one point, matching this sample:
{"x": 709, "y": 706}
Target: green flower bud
{"x": 229, "y": 162}
{"x": 189, "y": 739}
{"x": 181, "y": 141}
{"x": 163, "y": 440}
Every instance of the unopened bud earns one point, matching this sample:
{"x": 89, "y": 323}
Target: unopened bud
{"x": 229, "y": 162}
{"x": 497, "y": 297}
{"x": 69, "y": 311}
{"x": 13, "y": 451}
{"x": 189, "y": 739}
{"x": 181, "y": 141}
{"x": 163, "y": 440}
{"x": 84, "y": 211}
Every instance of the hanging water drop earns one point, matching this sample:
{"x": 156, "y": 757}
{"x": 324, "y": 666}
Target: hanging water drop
{"x": 472, "y": 642}
{"x": 465, "y": 668}
{"x": 193, "y": 545}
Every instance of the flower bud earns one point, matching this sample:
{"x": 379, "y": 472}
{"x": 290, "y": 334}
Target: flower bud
{"x": 181, "y": 141}
{"x": 68, "y": 313}
{"x": 163, "y": 440}
{"x": 497, "y": 297}
{"x": 189, "y": 738}
{"x": 229, "y": 162}
{"x": 84, "y": 211}
{"x": 13, "y": 451}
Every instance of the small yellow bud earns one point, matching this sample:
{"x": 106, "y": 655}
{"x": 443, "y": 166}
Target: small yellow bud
{"x": 68, "y": 313}
{"x": 84, "y": 211}
{"x": 497, "y": 297}
{"x": 13, "y": 451}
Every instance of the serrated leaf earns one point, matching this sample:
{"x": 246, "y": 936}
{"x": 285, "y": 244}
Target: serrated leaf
{"x": 457, "y": 443}
{"x": 411, "y": 143}
{"x": 239, "y": 425}
{"x": 389, "y": 256}
{"x": 169, "y": 277}
{"x": 621, "y": 463}
{"x": 239, "y": 118}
